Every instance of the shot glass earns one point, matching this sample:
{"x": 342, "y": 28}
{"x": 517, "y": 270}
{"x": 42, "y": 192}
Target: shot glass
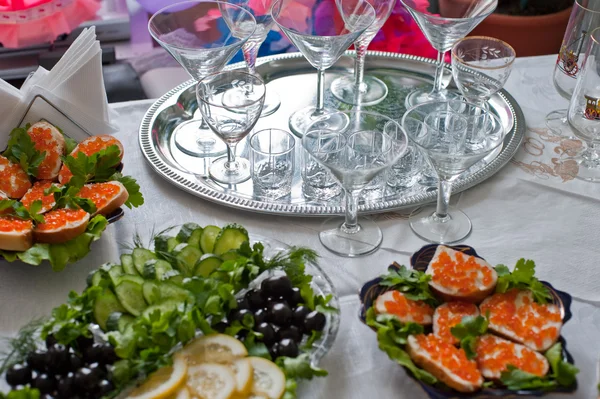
{"x": 405, "y": 173}
{"x": 272, "y": 162}
{"x": 318, "y": 184}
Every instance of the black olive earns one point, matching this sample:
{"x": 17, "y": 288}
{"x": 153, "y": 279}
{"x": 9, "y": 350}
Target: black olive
{"x": 19, "y": 374}
{"x": 93, "y": 353}
{"x": 83, "y": 342}
{"x": 287, "y": 348}
{"x": 50, "y": 341}
{"x": 38, "y": 360}
{"x": 314, "y": 321}
{"x": 104, "y": 387}
{"x": 243, "y": 303}
{"x": 43, "y": 382}
{"x": 277, "y": 286}
{"x": 75, "y": 362}
{"x": 296, "y": 298}
{"x": 65, "y": 386}
{"x": 85, "y": 378}
{"x": 255, "y": 300}
{"x": 260, "y": 316}
{"x": 240, "y": 314}
{"x": 300, "y": 314}
{"x": 274, "y": 351}
{"x": 47, "y": 396}
{"x": 267, "y": 331}
{"x": 59, "y": 359}
{"x": 220, "y": 327}
{"x": 109, "y": 356}
{"x": 98, "y": 370}
{"x": 241, "y": 335}
{"x": 279, "y": 313}
{"x": 291, "y": 332}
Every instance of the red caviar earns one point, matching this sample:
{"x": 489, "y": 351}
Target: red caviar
{"x": 61, "y": 217}
{"x": 403, "y": 307}
{"x": 14, "y": 182}
{"x": 495, "y": 354}
{"x": 37, "y": 193}
{"x": 450, "y": 357}
{"x": 460, "y": 273}
{"x": 88, "y": 147}
{"x": 44, "y": 141}
{"x": 516, "y": 311}
{"x": 99, "y": 193}
{"x": 11, "y": 223}
{"x": 449, "y": 315}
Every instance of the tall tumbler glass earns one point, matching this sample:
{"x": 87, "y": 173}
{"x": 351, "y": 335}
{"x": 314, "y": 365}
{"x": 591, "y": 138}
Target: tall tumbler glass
{"x": 585, "y": 17}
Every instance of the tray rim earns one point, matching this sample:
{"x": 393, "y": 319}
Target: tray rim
{"x": 197, "y": 188}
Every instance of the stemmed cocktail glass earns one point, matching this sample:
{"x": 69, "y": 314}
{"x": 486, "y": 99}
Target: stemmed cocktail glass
{"x": 361, "y": 89}
{"x": 369, "y": 145}
{"x": 312, "y": 29}
{"x": 202, "y": 36}
{"x": 444, "y": 22}
{"x": 442, "y": 129}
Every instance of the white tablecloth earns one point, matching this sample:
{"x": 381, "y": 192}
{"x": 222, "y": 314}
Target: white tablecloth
{"x": 532, "y": 208}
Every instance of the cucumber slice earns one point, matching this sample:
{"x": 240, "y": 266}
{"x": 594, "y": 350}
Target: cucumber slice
{"x": 127, "y": 263}
{"x": 140, "y": 257}
{"x": 186, "y": 231}
{"x": 129, "y": 292}
{"x": 170, "y": 291}
{"x": 151, "y": 292}
{"x": 232, "y": 254}
{"x": 172, "y": 276}
{"x": 105, "y": 304}
{"x": 208, "y": 238}
{"x": 187, "y": 259}
{"x": 115, "y": 272}
{"x": 172, "y": 243}
{"x": 166, "y": 306}
{"x": 95, "y": 278}
{"x": 231, "y": 237}
{"x": 118, "y": 321}
{"x": 156, "y": 268}
{"x": 194, "y": 239}
{"x": 207, "y": 264}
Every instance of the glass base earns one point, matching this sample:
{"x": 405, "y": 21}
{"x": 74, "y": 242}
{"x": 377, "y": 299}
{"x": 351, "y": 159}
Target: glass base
{"x": 589, "y": 167}
{"x": 424, "y": 95}
{"x": 344, "y": 89}
{"x": 302, "y": 119}
{"x": 558, "y": 124}
{"x": 428, "y": 226}
{"x": 196, "y": 139}
{"x": 220, "y": 173}
{"x": 271, "y": 105}
{"x": 365, "y": 240}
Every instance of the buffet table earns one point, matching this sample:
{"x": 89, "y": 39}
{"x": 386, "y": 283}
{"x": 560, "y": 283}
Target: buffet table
{"x": 532, "y": 208}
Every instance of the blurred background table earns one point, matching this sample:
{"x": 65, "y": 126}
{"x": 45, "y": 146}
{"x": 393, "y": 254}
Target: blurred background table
{"x": 532, "y": 208}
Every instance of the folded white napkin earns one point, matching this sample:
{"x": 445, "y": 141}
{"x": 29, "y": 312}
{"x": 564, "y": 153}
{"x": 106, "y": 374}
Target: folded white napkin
{"x": 74, "y": 97}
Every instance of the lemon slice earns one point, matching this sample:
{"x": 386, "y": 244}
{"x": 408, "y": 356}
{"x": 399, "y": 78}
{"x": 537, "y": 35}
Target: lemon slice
{"x": 183, "y": 393}
{"x": 242, "y": 368}
{"x": 164, "y": 382}
{"x": 268, "y": 380}
{"x": 216, "y": 348}
{"x": 211, "y": 381}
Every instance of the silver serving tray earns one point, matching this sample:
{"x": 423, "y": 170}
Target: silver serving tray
{"x": 295, "y": 81}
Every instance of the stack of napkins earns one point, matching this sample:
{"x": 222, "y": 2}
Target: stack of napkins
{"x": 74, "y": 89}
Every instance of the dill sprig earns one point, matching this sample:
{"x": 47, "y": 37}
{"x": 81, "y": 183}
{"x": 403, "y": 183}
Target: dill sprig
{"x": 21, "y": 345}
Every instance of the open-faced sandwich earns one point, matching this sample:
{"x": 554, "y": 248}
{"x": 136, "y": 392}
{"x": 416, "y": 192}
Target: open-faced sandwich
{"x": 202, "y": 315}
{"x": 55, "y": 194}
{"x": 462, "y": 324}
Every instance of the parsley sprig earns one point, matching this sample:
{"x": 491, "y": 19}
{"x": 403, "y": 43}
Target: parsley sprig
{"x": 21, "y": 150}
{"x": 18, "y": 210}
{"x": 467, "y": 332}
{"x": 522, "y": 277}
{"x": 414, "y": 284}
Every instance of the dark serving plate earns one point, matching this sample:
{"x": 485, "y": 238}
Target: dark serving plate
{"x": 419, "y": 261}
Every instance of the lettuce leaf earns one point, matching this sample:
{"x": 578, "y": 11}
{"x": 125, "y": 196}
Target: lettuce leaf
{"x": 59, "y": 255}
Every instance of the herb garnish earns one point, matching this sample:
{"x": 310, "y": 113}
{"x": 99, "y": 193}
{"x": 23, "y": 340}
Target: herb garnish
{"x": 414, "y": 284}
{"x": 522, "y": 277}
{"x": 21, "y": 150}
{"x": 18, "y": 210}
{"x": 467, "y": 332}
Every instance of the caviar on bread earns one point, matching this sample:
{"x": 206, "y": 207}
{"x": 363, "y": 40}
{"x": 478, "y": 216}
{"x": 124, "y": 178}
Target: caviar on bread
{"x": 61, "y": 225}
{"x": 456, "y": 276}
{"x": 15, "y": 234}
{"x": 14, "y": 182}
{"x": 406, "y": 310}
{"x": 107, "y": 197}
{"x": 89, "y": 147}
{"x": 47, "y": 138}
{"x": 36, "y": 193}
{"x": 450, "y": 314}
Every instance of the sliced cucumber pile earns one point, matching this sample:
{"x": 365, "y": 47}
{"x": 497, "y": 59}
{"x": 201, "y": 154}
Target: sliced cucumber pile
{"x": 147, "y": 281}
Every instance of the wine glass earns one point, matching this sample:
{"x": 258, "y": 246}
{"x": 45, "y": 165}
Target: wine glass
{"x": 369, "y": 145}
{"x": 440, "y": 129}
{"x": 444, "y": 22}
{"x": 584, "y": 110}
{"x": 233, "y": 122}
{"x": 585, "y": 17}
{"x": 261, "y": 11}
{"x": 322, "y": 42}
{"x": 481, "y": 66}
{"x": 361, "y": 89}
{"x": 202, "y": 36}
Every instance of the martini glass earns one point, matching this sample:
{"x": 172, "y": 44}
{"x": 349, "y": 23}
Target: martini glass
{"x": 369, "y": 145}
{"x": 442, "y": 130}
{"x": 322, "y": 41}
{"x": 361, "y": 89}
{"x": 202, "y": 36}
{"x": 444, "y": 22}
{"x": 261, "y": 11}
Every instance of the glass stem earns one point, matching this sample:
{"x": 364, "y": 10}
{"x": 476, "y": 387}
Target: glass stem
{"x": 439, "y": 73}
{"x": 443, "y": 199}
{"x": 250, "y": 50}
{"x": 359, "y": 65}
{"x": 320, "y": 92}
{"x": 231, "y": 165}
{"x": 351, "y": 226}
